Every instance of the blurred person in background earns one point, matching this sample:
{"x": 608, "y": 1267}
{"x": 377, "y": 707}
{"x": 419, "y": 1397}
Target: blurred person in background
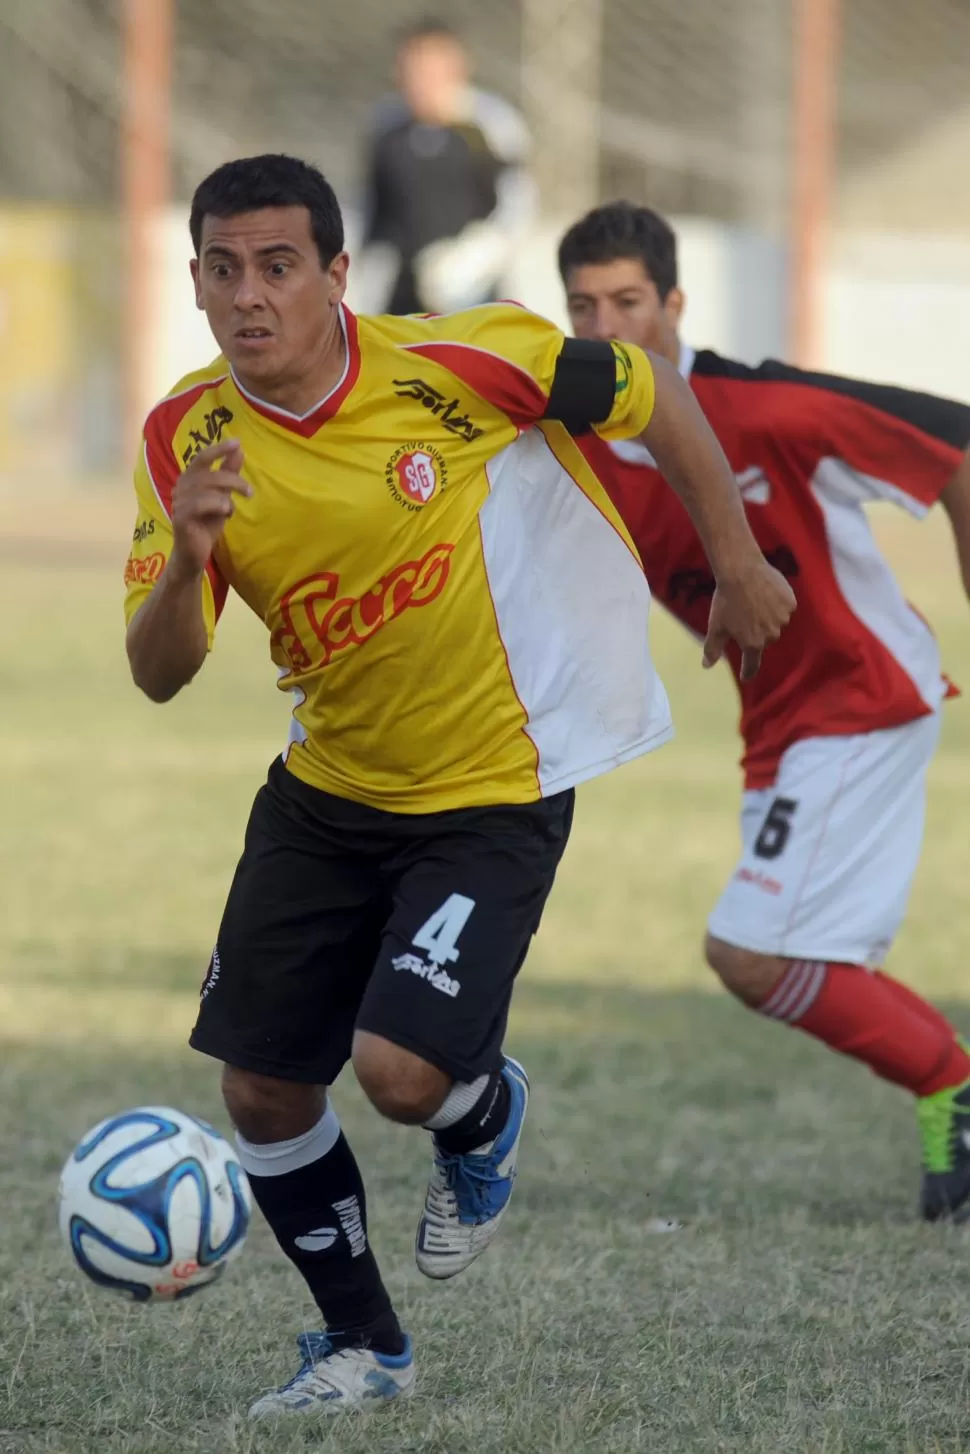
{"x": 840, "y": 724}
{"x": 448, "y": 194}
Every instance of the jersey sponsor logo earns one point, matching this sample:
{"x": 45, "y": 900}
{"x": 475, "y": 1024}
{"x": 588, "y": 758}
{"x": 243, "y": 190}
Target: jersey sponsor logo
{"x": 415, "y": 473}
{"x": 760, "y": 880}
{"x": 214, "y": 428}
{"x": 436, "y": 978}
{"x": 754, "y": 485}
{"x": 317, "y": 622}
{"x": 143, "y": 529}
{"x": 452, "y": 414}
{"x": 690, "y": 586}
{"x": 145, "y": 571}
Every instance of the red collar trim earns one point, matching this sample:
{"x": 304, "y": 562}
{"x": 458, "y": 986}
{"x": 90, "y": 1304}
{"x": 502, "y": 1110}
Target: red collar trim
{"x": 307, "y": 424}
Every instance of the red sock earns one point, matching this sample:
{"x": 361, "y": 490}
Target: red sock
{"x": 916, "y": 1003}
{"x": 874, "y": 1019}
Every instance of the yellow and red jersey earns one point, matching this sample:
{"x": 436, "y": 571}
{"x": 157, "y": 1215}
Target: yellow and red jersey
{"x": 450, "y": 593}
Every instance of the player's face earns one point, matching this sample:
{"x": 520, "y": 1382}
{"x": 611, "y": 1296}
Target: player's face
{"x": 432, "y": 72}
{"x": 270, "y": 302}
{"x": 618, "y": 299}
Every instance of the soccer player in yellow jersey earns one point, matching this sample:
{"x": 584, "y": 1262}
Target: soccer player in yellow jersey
{"x": 461, "y": 618}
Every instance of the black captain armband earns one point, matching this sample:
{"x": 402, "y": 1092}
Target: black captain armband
{"x": 584, "y": 385}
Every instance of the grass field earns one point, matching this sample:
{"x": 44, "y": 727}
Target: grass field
{"x": 801, "y": 1308}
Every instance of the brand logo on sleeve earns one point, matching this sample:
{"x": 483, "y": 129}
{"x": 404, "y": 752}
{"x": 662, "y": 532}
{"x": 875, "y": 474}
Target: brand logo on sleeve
{"x": 212, "y": 429}
{"x": 144, "y": 572}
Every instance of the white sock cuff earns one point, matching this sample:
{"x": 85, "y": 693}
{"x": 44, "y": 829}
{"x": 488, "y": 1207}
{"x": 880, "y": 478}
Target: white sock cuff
{"x": 462, "y": 1098}
{"x": 279, "y": 1157}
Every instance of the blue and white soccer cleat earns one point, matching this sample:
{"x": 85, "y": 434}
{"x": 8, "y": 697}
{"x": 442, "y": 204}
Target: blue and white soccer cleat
{"x": 468, "y": 1194}
{"x": 345, "y": 1380}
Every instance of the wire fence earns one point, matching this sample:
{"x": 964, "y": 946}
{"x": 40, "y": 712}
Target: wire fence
{"x": 685, "y": 104}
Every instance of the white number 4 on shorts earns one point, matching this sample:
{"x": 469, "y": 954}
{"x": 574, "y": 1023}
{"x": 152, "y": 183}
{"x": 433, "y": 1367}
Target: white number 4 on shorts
{"x": 438, "y": 936}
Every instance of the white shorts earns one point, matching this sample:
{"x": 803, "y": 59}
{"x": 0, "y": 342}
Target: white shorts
{"x": 829, "y": 851}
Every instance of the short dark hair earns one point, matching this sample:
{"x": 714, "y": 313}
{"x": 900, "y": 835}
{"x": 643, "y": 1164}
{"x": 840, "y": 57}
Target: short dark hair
{"x": 252, "y": 183}
{"x": 429, "y": 27}
{"x": 621, "y": 229}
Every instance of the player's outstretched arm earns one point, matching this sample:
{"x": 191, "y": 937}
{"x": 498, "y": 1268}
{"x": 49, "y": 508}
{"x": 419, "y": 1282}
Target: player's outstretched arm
{"x": 167, "y": 639}
{"x": 753, "y": 601}
{"x": 955, "y": 500}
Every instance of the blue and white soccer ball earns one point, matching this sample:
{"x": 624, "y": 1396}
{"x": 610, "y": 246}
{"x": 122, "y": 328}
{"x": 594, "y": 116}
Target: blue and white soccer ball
{"x": 153, "y": 1203}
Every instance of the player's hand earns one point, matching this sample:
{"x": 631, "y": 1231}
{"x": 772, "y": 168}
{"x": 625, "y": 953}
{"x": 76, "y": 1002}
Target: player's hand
{"x": 202, "y": 502}
{"x": 752, "y": 610}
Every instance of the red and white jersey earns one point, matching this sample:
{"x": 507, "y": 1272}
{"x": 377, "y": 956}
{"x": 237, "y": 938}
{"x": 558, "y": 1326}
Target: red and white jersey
{"x": 809, "y": 451}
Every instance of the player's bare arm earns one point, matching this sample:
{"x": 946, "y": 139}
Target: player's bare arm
{"x": 753, "y": 601}
{"x": 955, "y": 500}
{"x": 167, "y": 639}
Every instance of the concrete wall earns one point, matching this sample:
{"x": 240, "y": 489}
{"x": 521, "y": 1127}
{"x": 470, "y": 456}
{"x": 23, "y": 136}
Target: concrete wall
{"x": 897, "y": 308}
{"x": 735, "y": 281}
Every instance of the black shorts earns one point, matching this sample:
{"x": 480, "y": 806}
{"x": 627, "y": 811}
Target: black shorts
{"x": 343, "y": 917}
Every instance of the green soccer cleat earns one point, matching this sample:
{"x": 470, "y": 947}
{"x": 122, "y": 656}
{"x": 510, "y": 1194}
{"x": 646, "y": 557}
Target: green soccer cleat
{"x": 944, "y": 1128}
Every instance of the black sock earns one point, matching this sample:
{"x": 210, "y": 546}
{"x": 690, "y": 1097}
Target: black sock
{"x": 482, "y": 1123}
{"x": 319, "y": 1217}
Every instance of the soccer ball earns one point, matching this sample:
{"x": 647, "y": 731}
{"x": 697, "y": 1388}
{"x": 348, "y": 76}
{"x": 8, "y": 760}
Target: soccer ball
{"x": 153, "y": 1203}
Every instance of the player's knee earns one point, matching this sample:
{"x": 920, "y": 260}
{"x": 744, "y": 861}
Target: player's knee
{"x": 747, "y": 974}
{"x": 398, "y": 1083}
{"x": 265, "y": 1110}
